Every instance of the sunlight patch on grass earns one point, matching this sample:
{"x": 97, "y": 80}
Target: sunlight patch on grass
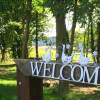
{"x": 41, "y": 51}
{"x": 7, "y": 62}
{"x": 12, "y": 69}
{"x": 7, "y": 82}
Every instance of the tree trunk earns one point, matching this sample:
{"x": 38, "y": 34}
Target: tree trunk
{"x": 26, "y": 29}
{"x": 88, "y": 39}
{"x": 92, "y": 37}
{"x": 98, "y": 42}
{"x": 61, "y": 37}
{"x": 36, "y": 39}
{"x": 25, "y": 40}
{"x": 73, "y": 26}
{"x": 84, "y": 42}
{"x": 61, "y": 33}
{"x": 28, "y": 88}
{"x": 3, "y": 51}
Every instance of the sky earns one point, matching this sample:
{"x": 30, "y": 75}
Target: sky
{"x": 52, "y": 29}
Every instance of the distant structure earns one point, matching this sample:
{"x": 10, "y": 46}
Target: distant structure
{"x": 49, "y": 41}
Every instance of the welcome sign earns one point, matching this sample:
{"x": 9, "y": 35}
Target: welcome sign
{"x": 87, "y": 74}
{"x": 67, "y": 72}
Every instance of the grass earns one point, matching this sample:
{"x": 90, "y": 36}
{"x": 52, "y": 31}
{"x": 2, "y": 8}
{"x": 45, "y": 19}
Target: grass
{"x": 90, "y": 93}
{"x": 50, "y": 94}
{"x": 7, "y": 82}
{"x": 41, "y": 52}
{"x": 82, "y": 96}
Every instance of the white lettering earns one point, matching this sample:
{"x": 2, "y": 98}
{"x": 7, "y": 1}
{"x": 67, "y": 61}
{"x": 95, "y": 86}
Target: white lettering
{"x": 66, "y": 72}
{"x": 45, "y": 70}
{"x": 53, "y": 70}
{"x": 61, "y": 71}
{"x": 89, "y": 78}
{"x": 36, "y": 69}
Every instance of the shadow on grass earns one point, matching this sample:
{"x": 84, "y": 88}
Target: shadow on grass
{"x": 7, "y": 65}
{"x": 83, "y": 96}
{"x": 8, "y": 72}
{"x": 8, "y": 76}
{"x": 8, "y": 92}
{"x": 51, "y": 94}
{"x": 7, "y": 82}
{"x": 7, "y": 97}
{"x": 7, "y": 89}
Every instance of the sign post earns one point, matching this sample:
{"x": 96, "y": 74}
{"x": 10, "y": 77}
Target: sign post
{"x": 28, "y": 87}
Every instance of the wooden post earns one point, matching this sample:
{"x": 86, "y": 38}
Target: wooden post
{"x": 29, "y": 88}
{"x": 36, "y": 88}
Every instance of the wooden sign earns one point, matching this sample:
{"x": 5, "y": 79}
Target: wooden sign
{"x": 87, "y": 74}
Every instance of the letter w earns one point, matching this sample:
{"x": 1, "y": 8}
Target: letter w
{"x": 36, "y": 68}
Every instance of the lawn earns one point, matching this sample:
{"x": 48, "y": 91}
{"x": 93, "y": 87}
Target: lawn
{"x": 41, "y": 50}
{"x": 76, "y": 93}
{"x": 7, "y": 82}
{"x": 8, "y": 88}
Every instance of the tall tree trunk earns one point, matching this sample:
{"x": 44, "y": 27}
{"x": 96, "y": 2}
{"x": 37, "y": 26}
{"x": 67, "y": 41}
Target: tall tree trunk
{"x": 61, "y": 33}
{"x": 61, "y": 37}
{"x": 73, "y": 25}
{"x": 98, "y": 42}
{"x": 84, "y": 42}
{"x": 88, "y": 39}
{"x": 26, "y": 29}
{"x": 92, "y": 37}
{"x": 29, "y": 88}
{"x": 36, "y": 39}
{"x": 3, "y": 51}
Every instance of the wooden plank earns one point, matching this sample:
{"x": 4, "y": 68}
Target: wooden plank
{"x": 87, "y": 74}
{"x": 22, "y": 86}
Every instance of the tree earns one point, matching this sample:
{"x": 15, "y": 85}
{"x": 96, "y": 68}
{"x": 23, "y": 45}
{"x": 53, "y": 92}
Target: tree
{"x": 91, "y": 12}
{"x": 15, "y": 46}
{"x": 75, "y": 17}
{"x": 7, "y": 36}
{"x": 98, "y": 42}
{"x": 11, "y": 15}
{"x": 26, "y": 28}
{"x": 59, "y": 10}
{"x": 39, "y": 23}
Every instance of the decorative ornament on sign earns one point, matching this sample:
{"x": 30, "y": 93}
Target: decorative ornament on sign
{"x": 47, "y": 56}
{"x": 65, "y": 58}
{"x": 57, "y": 55}
{"x": 95, "y": 53}
{"x": 83, "y": 60}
